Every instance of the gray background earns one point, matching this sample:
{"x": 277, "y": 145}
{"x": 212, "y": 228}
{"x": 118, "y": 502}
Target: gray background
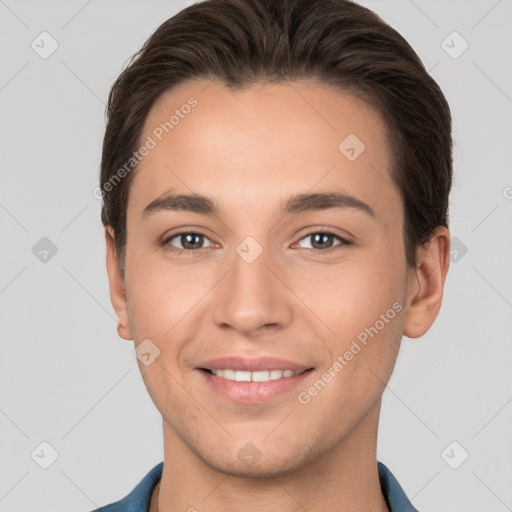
{"x": 67, "y": 378}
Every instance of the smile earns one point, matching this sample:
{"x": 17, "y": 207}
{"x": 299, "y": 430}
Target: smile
{"x": 261, "y": 376}
{"x": 244, "y": 388}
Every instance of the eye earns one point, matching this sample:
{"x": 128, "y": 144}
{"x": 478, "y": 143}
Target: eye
{"x": 190, "y": 241}
{"x": 323, "y": 240}
{"x": 187, "y": 241}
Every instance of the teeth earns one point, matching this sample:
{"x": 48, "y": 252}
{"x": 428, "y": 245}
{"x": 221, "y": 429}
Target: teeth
{"x": 262, "y": 376}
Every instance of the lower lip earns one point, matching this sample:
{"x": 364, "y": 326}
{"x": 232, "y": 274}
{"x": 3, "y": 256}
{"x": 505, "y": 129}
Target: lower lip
{"x": 253, "y": 392}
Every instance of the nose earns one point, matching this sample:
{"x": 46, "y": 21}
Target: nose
{"x": 253, "y": 298}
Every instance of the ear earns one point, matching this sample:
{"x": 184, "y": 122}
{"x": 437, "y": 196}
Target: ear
{"x": 426, "y": 284}
{"x": 116, "y": 285}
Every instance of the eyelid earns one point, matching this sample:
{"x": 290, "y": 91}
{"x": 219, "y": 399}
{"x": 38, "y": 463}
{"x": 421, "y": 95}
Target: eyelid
{"x": 310, "y": 230}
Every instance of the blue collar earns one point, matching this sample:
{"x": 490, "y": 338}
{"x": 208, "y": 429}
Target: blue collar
{"x": 138, "y": 500}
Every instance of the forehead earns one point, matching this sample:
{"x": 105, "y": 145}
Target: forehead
{"x": 259, "y": 143}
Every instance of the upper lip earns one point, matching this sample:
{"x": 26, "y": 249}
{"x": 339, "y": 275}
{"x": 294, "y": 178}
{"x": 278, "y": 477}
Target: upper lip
{"x": 252, "y": 365}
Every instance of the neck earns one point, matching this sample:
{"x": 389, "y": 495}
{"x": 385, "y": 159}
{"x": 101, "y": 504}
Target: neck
{"x": 342, "y": 478}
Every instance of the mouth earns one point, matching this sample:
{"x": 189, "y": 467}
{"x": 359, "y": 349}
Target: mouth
{"x": 252, "y": 388}
{"x": 256, "y": 376}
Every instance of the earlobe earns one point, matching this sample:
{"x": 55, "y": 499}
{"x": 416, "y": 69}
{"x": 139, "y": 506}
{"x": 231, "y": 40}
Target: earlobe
{"x": 426, "y": 284}
{"x": 116, "y": 286}
{"x": 123, "y": 332}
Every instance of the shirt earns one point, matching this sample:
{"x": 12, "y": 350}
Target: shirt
{"x": 138, "y": 500}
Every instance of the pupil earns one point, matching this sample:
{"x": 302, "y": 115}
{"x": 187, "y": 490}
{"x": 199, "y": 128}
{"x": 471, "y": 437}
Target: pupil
{"x": 189, "y": 236}
{"x": 322, "y": 238}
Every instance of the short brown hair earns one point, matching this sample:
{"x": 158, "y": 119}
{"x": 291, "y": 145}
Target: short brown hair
{"x": 337, "y": 43}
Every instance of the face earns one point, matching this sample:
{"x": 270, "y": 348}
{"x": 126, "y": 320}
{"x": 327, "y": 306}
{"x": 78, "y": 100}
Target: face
{"x": 295, "y": 252}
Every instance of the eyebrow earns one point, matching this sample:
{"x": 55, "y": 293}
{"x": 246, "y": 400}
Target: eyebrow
{"x": 298, "y": 203}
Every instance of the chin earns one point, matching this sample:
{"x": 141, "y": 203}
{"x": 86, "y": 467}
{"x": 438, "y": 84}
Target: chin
{"x": 250, "y": 462}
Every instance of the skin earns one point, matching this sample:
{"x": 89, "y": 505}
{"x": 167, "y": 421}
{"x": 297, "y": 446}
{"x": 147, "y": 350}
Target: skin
{"x": 250, "y": 150}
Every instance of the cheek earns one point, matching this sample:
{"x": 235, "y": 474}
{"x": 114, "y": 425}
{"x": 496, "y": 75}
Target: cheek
{"x": 362, "y": 303}
{"x": 160, "y": 295}
{"x": 353, "y": 295}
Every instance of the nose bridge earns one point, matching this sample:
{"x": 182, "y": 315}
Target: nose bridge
{"x": 251, "y": 296}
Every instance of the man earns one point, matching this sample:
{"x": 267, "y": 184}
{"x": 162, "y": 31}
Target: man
{"x": 275, "y": 178}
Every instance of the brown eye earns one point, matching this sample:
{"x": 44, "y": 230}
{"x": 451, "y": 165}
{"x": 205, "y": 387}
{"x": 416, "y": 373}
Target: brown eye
{"x": 186, "y": 241}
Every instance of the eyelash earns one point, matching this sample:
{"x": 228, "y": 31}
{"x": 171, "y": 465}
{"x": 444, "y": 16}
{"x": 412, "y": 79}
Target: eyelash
{"x": 343, "y": 242}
